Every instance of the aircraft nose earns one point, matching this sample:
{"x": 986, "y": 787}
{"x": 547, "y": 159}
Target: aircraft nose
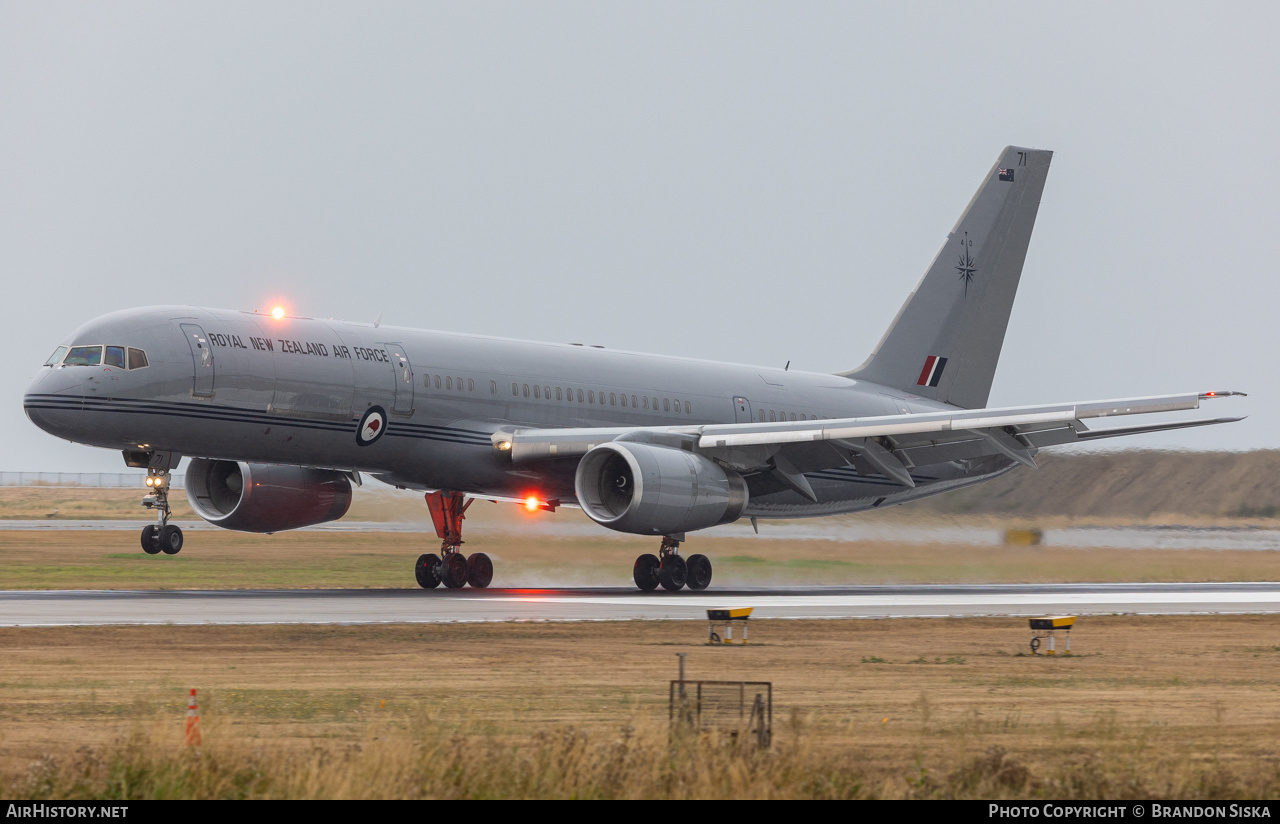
{"x": 54, "y": 401}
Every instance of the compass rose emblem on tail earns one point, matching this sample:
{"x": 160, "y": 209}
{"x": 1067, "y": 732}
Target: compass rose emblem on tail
{"x": 966, "y": 264}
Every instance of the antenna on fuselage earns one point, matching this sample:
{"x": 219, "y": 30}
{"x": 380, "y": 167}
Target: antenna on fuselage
{"x": 377, "y": 321}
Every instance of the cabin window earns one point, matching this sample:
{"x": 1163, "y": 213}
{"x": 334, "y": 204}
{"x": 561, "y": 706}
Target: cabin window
{"x": 666, "y": 404}
{"x": 83, "y": 356}
{"x": 579, "y": 396}
{"x": 655, "y": 404}
{"x": 458, "y": 383}
{"x": 493, "y": 387}
{"x": 791, "y": 416}
{"x": 761, "y": 416}
{"x": 613, "y": 399}
{"x": 772, "y": 416}
{"x": 137, "y": 358}
{"x": 448, "y": 382}
{"x": 675, "y": 405}
{"x": 688, "y": 409}
{"x": 591, "y": 396}
{"x": 526, "y": 390}
{"x": 624, "y": 400}
{"x": 437, "y": 381}
{"x": 601, "y": 396}
{"x": 471, "y": 385}
{"x": 646, "y": 401}
{"x": 546, "y": 391}
{"x": 115, "y": 356}
{"x": 515, "y": 390}
{"x": 537, "y": 391}
{"x": 558, "y": 395}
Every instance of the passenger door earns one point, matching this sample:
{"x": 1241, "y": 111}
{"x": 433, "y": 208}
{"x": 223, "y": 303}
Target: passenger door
{"x": 742, "y": 410}
{"x": 403, "y": 376}
{"x": 202, "y": 360}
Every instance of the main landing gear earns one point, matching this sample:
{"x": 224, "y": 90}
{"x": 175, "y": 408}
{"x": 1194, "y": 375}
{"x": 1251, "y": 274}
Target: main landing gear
{"x": 670, "y": 569}
{"x": 451, "y": 567}
{"x": 161, "y": 536}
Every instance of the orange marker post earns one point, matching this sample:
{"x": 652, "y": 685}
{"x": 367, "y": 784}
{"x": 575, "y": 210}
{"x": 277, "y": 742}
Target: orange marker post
{"x": 193, "y": 721}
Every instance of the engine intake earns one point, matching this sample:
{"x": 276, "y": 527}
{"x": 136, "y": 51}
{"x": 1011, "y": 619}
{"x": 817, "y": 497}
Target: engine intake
{"x": 264, "y": 497}
{"x": 656, "y": 490}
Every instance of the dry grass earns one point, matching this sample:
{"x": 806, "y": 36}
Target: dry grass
{"x": 1155, "y": 707}
{"x": 215, "y": 559}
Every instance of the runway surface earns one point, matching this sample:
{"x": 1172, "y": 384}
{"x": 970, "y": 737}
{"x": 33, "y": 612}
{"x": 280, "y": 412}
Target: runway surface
{"x": 89, "y": 608}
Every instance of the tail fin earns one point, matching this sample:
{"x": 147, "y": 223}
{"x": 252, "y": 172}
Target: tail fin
{"x": 945, "y": 342}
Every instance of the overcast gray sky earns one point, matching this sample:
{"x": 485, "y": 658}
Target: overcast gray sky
{"x": 756, "y": 182}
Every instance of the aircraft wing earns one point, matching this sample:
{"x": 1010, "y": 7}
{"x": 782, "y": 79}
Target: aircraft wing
{"x": 888, "y": 444}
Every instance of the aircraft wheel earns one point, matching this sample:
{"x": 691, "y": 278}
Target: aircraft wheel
{"x": 699, "y": 576}
{"x": 673, "y": 573}
{"x": 427, "y": 570}
{"x": 150, "y": 540}
{"x": 716, "y": 639}
{"x": 170, "y": 539}
{"x": 1035, "y": 645}
{"x": 454, "y": 570}
{"x": 479, "y": 570}
{"x": 645, "y": 572}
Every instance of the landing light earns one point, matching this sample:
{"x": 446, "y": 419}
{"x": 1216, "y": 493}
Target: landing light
{"x": 277, "y": 312}
{"x": 531, "y": 504}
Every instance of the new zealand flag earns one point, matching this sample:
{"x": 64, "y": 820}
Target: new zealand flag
{"x": 1006, "y": 174}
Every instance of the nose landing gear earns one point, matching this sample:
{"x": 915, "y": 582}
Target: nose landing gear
{"x": 161, "y": 536}
{"x": 451, "y": 567}
{"x": 670, "y": 569}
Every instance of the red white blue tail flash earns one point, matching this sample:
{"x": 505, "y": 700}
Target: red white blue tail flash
{"x": 932, "y": 372}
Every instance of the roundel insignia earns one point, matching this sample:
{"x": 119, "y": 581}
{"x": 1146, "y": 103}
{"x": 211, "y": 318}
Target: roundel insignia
{"x": 372, "y": 425}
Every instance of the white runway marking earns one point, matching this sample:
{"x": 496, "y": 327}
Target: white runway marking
{"x": 89, "y": 608}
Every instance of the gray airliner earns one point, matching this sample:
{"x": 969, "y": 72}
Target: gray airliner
{"x": 280, "y": 416}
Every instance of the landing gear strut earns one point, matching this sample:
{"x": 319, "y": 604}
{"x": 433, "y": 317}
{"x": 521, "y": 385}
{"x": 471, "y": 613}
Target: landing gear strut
{"x": 451, "y": 567}
{"x": 670, "y": 569}
{"x": 161, "y": 536}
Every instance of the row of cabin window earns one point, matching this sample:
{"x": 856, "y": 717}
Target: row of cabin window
{"x": 590, "y": 396}
{"x": 428, "y": 380}
{"x": 783, "y": 416}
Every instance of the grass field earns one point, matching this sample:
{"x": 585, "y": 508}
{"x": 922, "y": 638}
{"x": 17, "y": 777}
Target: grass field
{"x": 1149, "y": 707}
{"x": 216, "y": 559}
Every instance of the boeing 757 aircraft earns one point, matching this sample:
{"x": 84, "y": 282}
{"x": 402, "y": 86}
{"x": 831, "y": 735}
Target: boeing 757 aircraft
{"x": 281, "y": 415}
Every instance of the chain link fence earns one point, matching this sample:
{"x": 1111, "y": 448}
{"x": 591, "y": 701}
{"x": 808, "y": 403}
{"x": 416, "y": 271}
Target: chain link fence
{"x": 96, "y": 480}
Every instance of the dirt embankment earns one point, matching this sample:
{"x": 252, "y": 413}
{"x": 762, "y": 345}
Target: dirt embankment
{"x": 1128, "y": 485}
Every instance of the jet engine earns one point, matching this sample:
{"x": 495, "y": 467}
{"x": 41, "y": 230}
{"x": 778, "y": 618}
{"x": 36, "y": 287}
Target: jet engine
{"x": 263, "y": 497}
{"x": 656, "y": 490}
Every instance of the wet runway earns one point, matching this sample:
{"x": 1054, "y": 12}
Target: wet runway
{"x": 89, "y": 608}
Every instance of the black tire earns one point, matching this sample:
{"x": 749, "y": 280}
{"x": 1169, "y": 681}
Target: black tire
{"x": 170, "y": 539}
{"x": 151, "y": 540}
{"x": 1035, "y": 644}
{"x": 645, "y": 572}
{"x": 427, "y": 570}
{"x": 673, "y": 573}
{"x": 699, "y": 572}
{"x": 454, "y": 570}
{"x": 479, "y": 570}
{"x": 716, "y": 639}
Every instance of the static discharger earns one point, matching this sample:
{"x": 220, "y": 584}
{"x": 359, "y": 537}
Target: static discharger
{"x": 192, "y": 736}
{"x": 1046, "y": 629}
{"x": 726, "y": 618}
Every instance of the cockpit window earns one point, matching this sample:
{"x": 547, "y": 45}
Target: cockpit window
{"x": 83, "y": 356}
{"x": 56, "y": 357}
{"x": 137, "y": 358}
{"x": 115, "y": 356}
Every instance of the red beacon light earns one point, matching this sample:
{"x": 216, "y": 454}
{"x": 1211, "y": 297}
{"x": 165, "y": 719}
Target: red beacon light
{"x": 277, "y": 312}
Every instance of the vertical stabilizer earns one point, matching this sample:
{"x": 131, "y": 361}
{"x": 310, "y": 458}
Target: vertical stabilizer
{"x": 945, "y": 342}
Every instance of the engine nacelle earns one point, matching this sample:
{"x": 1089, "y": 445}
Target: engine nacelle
{"x": 656, "y": 490}
{"x": 263, "y": 497}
